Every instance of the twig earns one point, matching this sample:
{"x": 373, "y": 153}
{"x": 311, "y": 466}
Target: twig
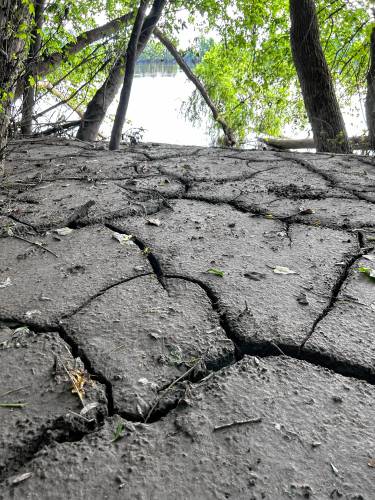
{"x": 12, "y": 405}
{"x": 184, "y": 375}
{"x": 278, "y": 348}
{"x": 13, "y": 391}
{"x": 89, "y": 420}
{"x": 239, "y": 422}
{"x": 38, "y": 245}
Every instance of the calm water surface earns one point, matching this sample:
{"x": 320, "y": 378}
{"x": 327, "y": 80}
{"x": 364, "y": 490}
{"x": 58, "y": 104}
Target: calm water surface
{"x": 158, "y": 93}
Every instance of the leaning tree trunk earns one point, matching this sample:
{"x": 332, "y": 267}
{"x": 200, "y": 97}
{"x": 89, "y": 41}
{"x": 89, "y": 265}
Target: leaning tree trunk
{"x": 98, "y": 106}
{"x": 131, "y": 59}
{"x": 315, "y": 79}
{"x": 228, "y": 132}
{"x": 370, "y": 99}
{"x": 14, "y": 14}
{"x": 30, "y": 76}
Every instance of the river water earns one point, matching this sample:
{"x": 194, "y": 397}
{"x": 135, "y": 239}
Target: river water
{"x": 158, "y": 93}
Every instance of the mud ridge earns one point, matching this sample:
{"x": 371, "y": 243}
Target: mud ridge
{"x": 333, "y": 183}
{"x": 215, "y": 303}
{"x": 61, "y": 430}
{"x": 102, "y": 292}
{"x": 334, "y": 295}
{"x": 153, "y": 260}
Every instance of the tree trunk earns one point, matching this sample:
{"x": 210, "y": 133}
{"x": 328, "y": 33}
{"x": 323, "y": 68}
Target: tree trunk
{"x": 315, "y": 79}
{"x": 131, "y": 59}
{"x": 98, "y": 106}
{"x": 13, "y": 14}
{"x": 30, "y": 88}
{"x": 370, "y": 98}
{"x": 229, "y": 136}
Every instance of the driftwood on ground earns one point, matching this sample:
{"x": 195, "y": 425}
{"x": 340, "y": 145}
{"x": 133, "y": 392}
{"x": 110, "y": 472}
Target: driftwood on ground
{"x": 356, "y": 143}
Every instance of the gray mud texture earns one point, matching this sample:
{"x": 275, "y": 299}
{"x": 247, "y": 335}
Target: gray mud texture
{"x": 186, "y": 323}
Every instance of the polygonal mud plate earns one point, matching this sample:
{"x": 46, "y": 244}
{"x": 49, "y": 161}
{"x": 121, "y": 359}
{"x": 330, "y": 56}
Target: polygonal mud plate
{"x": 345, "y": 336}
{"x": 43, "y": 288}
{"x": 143, "y": 338}
{"x": 57, "y": 203}
{"x": 35, "y": 372}
{"x": 307, "y": 433}
{"x": 265, "y": 307}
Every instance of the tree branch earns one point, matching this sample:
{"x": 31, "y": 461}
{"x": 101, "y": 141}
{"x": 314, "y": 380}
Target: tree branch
{"x": 49, "y": 63}
{"x": 198, "y": 84}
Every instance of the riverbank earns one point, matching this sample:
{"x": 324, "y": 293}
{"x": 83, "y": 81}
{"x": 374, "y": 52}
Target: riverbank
{"x": 186, "y": 322}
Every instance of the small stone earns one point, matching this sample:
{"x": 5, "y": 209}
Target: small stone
{"x": 337, "y": 399}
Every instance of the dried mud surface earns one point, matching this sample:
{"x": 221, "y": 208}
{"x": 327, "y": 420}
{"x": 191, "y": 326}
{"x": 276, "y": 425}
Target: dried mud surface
{"x": 209, "y": 305}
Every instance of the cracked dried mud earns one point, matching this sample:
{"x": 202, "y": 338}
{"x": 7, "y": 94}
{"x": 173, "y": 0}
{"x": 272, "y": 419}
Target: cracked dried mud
{"x": 181, "y": 322}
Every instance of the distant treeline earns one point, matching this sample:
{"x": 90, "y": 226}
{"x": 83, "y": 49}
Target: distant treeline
{"x": 156, "y": 52}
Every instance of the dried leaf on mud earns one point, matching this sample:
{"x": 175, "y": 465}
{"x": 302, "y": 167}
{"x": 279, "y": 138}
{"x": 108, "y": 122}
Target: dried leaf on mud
{"x": 283, "y": 270}
{"x": 124, "y": 239}
{"x": 63, "y": 231}
{"x": 153, "y": 222}
{"x": 7, "y": 282}
{"x": 20, "y": 478}
{"x": 79, "y": 380}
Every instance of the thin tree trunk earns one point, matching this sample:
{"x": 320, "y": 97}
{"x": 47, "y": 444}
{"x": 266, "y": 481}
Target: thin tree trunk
{"x": 99, "y": 104}
{"x": 30, "y": 87}
{"x": 370, "y": 99}
{"x": 229, "y": 136}
{"x": 131, "y": 59}
{"x": 13, "y": 14}
{"x": 315, "y": 79}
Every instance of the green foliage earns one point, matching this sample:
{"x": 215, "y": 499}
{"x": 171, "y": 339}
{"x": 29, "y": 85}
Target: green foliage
{"x": 249, "y": 72}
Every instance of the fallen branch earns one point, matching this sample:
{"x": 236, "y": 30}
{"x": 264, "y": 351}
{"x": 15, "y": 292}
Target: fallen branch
{"x": 239, "y": 422}
{"x": 58, "y": 127}
{"x": 356, "y": 143}
{"x": 38, "y": 245}
{"x": 183, "y": 376}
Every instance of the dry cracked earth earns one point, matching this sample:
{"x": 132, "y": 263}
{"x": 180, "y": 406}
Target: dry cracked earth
{"x": 180, "y": 322}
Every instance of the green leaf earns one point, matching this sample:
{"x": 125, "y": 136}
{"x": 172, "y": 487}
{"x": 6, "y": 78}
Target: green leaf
{"x": 216, "y": 272}
{"x": 368, "y": 271}
{"x": 118, "y": 432}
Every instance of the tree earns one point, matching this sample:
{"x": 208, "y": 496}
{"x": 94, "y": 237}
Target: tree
{"x": 30, "y": 76}
{"x": 247, "y": 75}
{"x": 14, "y": 34}
{"x": 315, "y": 79}
{"x": 370, "y": 99}
{"x": 131, "y": 59}
{"x": 104, "y": 96}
